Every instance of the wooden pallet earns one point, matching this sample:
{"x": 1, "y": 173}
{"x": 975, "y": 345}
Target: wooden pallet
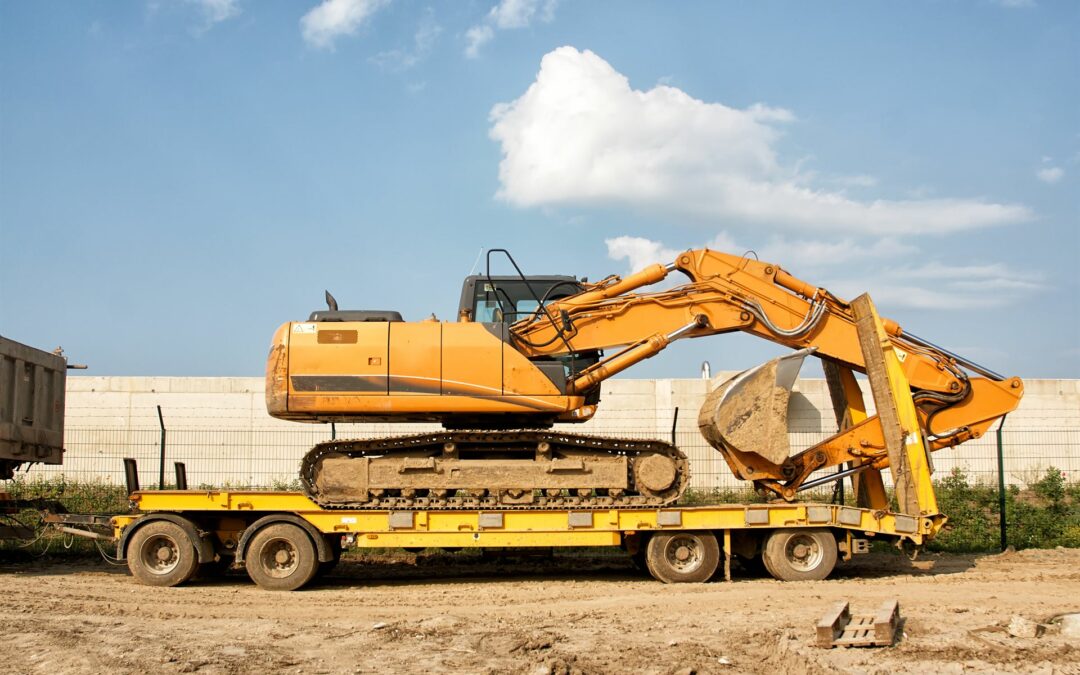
{"x": 838, "y": 628}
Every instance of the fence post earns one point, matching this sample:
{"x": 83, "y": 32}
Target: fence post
{"x": 161, "y": 460}
{"x": 1001, "y": 486}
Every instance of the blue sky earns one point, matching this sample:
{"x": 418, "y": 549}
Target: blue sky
{"x": 179, "y": 177}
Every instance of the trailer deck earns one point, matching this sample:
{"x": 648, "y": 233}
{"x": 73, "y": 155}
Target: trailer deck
{"x": 498, "y": 528}
{"x": 284, "y": 539}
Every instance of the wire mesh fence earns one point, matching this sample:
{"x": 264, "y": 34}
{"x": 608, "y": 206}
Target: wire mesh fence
{"x": 1041, "y": 472}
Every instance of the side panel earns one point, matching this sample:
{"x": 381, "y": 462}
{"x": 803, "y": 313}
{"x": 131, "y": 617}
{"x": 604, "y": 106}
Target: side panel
{"x": 472, "y": 360}
{"x": 520, "y": 376}
{"x": 337, "y": 358}
{"x": 31, "y": 403}
{"x": 416, "y": 358}
{"x": 344, "y": 371}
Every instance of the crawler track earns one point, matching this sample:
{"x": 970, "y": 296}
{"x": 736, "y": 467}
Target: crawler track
{"x": 498, "y": 445}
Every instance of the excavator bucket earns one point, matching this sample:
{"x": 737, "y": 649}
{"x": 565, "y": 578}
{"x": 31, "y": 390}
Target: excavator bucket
{"x": 748, "y": 413}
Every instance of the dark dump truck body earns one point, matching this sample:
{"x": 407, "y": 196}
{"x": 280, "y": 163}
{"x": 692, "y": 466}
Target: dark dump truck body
{"x": 31, "y": 406}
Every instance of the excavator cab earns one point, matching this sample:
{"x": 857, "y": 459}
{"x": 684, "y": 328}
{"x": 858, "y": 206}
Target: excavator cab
{"x": 507, "y": 299}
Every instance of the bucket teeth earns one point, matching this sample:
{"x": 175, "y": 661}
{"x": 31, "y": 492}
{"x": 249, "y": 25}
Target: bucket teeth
{"x": 748, "y": 413}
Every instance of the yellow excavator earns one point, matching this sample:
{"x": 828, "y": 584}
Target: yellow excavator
{"x": 529, "y": 352}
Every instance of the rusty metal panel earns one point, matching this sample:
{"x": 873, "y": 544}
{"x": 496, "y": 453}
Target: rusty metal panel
{"x": 850, "y": 516}
{"x": 669, "y": 518}
{"x": 818, "y": 514}
{"x": 31, "y": 404}
{"x": 905, "y": 524}
{"x": 757, "y": 516}
{"x": 580, "y": 519}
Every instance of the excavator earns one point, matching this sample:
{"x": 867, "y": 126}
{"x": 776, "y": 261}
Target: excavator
{"x": 527, "y": 353}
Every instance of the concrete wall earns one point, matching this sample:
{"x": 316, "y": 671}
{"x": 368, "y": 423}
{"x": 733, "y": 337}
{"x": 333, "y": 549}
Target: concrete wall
{"x": 220, "y": 428}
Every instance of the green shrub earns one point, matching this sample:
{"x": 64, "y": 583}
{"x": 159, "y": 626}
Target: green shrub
{"x": 1042, "y": 514}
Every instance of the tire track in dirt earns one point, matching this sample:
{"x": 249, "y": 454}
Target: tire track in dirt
{"x": 563, "y": 615}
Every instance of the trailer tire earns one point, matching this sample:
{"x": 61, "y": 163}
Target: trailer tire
{"x": 800, "y": 554}
{"x": 161, "y": 553}
{"x": 281, "y": 557}
{"x": 682, "y": 557}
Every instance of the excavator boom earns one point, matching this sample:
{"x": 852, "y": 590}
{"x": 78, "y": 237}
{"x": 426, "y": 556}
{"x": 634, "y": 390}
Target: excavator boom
{"x": 745, "y": 419}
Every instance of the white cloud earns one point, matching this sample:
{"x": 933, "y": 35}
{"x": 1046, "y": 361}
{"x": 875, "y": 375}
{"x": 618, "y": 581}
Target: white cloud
{"x": 476, "y": 37}
{"x": 218, "y": 10}
{"x": 814, "y": 255}
{"x": 1015, "y": 4}
{"x": 1050, "y": 174}
{"x": 941, "y": 286}
{"x": 859, "y": 181}
{"x": 507, "y": 14}
{"x": 427, "y": 34}
{"x": 213, "y": 12}
{"x": 520, "y": 13}
{"x": 333, "y": 18}
{"x": 890, "y": 270}
{"x": 639, "y": 252}
{"x": 580, "y": 135}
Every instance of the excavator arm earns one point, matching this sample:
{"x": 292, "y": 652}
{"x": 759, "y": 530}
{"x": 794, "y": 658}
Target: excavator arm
{"x": 727, "y": 293}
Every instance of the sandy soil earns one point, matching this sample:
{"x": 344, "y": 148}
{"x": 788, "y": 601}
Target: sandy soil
{"x": 560, "y": 615}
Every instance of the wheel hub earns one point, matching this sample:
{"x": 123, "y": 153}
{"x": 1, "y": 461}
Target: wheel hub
{"x": 279, "y": 558}
{"x": 160, "y": 554}
{"x": 804, "y": 553}
{"x": 684, "y": 554}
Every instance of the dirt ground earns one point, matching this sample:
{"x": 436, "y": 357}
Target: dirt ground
{"x": 560, "y": 615}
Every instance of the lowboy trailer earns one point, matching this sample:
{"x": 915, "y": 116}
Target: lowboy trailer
{"x": 284, "y": 540}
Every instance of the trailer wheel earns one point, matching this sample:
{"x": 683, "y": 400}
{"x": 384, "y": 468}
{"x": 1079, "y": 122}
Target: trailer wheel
{"x": 681, "y": 557}
{"x": 160, "y": 553}
{"x": 800, "y": 555}
{"x": 281, "y": 557}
